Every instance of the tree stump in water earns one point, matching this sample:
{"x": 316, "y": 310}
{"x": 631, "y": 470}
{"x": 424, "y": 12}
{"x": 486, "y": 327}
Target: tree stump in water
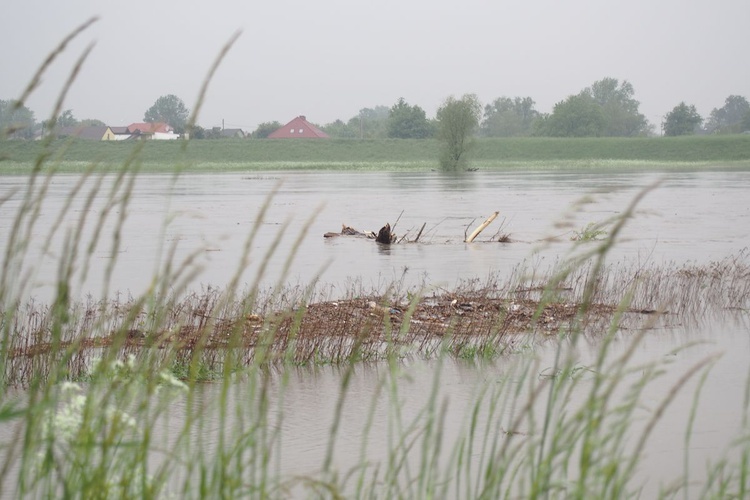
{"x": 385, "y": 235}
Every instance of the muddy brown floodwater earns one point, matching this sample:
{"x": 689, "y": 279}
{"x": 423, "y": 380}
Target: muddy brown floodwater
{"x": 690, "y": 217}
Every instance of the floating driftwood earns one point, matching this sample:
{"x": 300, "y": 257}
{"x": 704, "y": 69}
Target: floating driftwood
{"x": 386, "y": 235}
{"x": 481, "y": 227}
{"x": 420, "y": 232}
{"x": 350, "y": 231}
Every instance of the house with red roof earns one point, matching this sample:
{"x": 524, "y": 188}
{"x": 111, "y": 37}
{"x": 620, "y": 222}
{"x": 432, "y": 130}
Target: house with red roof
{"x": 156, "y": 131}
{"x": 298, "y": 128}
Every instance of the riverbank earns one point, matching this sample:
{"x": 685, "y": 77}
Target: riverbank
{"x": 380, "y": 155}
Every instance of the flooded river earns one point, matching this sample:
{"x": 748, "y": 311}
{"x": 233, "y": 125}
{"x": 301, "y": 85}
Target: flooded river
{"x": 689, "y": 217}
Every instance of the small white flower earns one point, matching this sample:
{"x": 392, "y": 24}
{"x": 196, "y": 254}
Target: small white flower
{"x": 117, "y": 416}
{"x": 170, "y": 380}
{"x": 95, "y": 364}
{"x": 71, "y": 387}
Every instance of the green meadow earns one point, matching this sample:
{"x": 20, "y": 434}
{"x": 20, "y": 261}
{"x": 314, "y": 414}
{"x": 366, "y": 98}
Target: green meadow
{"x": 381, "y": 154}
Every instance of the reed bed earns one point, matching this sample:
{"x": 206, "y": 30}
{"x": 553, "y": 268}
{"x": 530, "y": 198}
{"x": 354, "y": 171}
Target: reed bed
{"x": 475, "y": 319}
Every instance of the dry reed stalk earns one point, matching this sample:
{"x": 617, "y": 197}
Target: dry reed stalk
{"x": 475, "y": 315}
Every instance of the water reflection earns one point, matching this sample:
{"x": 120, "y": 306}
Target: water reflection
{"x": 383, "y": 249}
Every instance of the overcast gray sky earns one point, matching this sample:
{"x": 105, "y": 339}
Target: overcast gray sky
{"x": 327, "y": 59}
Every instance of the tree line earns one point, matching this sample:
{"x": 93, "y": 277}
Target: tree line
{"x": 607, "y": 108}
{"x": 18, "y": 122}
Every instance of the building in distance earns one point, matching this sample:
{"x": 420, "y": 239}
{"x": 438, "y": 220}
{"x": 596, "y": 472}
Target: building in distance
{"x": 298, "y": 128}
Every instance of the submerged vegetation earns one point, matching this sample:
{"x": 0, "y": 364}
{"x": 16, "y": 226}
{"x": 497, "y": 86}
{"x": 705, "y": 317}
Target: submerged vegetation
{"x": 301, "y": 327}
{"x": 591, "y": 232}
{"x": 101, "y": 398}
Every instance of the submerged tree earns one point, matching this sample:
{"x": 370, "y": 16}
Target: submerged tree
{"x": 682, "y": 120}
{"x": 168, "y": 109}
{"x": 457, "y": 119}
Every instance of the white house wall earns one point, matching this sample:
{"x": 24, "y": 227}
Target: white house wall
{"x": 162, "y": 136}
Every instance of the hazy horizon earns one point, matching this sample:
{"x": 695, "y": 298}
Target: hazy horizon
{"x": 327, "y": 60}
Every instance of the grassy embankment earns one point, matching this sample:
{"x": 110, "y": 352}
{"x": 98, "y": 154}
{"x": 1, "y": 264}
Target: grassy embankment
{"x": 386, "y": 154}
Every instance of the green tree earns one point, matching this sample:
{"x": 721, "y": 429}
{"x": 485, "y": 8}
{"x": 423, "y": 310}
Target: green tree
{"x": 577, "y": 116}
{"x": 728, "y": 118}
{"x": 342, "y": 130}
{"x": 372, "y": 123}
{"x": 200, "y": 133}
{"x": 619, "y": 107}
{"x": 16, "y": 120}
{"x": 507, "y": 117}
{"x": 265, "y": 129}
{"x": 408, "y": 122}
{"x": 213, "y": 133}
{"x": 91, "y": 122}
{"x": 66, "y": 119}
{"x": 369, "y": 123}
{"x": 745, "y": 123}
{"x": 606, "y": 108}
{"x": 168, "y": 109}
{"x": 197, "y": 132}
{"x": 456, "y": 120}
{"x": 682, "y": 120}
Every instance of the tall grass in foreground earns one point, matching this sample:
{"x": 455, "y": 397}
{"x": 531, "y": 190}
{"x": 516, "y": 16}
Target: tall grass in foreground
{"x": 113, "y": 403}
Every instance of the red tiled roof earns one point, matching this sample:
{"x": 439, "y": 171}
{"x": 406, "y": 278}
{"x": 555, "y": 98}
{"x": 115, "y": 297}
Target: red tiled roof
{"x": 150, "y": 128}
{"x": 298, "y": 128}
